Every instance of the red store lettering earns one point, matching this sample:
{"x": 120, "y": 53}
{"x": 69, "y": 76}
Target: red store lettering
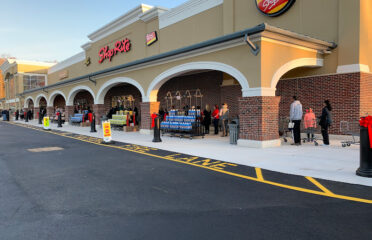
{"x": 120, "y": 46}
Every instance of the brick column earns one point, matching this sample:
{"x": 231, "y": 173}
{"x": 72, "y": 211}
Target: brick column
{"x": 259, "y": 121}
{"x": 69, "y": 111}
{"x": 99, "y": 111}
{"x": 148, "y": 108}
{"x": 50, "y": 111}
{"x": 36, "y": 110}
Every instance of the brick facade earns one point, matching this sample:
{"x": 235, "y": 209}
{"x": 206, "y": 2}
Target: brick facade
{"x": 365, "y": 94}
{"x": 69, "y": 111}
{"x": 50, "y": 111}
{"x": 36, "y": 112}
{"x": 148, "y": 108}
{"x": 259, "y": 118}
{"x": 231, "y": 95}
{"x": 99, "y": 111}
{"x": 350, "y": 96}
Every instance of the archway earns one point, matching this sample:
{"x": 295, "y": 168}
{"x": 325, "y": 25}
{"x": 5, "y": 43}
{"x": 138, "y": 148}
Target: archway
{"x": 83, "y": 100}
{"x": 197, "y": 85}
{"x": 121, "y": 94}
{"x": 57, "y": 99}
{"x": 76, "y": 90}
{"x": 29, "y": 101}
{"x": 313, "y": 90}
{"x": 155, "y": 85}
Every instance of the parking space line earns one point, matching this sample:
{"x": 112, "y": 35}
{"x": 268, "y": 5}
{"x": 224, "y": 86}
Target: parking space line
{"x": 259, "y": 174}
{"x": 325, "y": 192}
{"x": 316, "y": 183}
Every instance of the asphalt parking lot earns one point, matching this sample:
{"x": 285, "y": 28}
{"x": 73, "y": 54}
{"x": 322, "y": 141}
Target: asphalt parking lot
{"x": 57, "y": 185}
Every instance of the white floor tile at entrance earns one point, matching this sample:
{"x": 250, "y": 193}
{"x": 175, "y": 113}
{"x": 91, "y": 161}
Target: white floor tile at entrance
{"x": 331, "y": 163}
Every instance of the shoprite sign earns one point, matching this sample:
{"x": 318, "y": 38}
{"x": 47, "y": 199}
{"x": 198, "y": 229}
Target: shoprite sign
{"x": 120, "y": 46}
{"x": 151, "y": 38}
{"x": 274, "y": 8}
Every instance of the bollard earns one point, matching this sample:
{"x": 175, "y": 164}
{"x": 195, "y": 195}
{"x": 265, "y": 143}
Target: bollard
{"x": 157, "y": 130}
{"x": 59, "y": 119}
{"x": 40, "y": 119}
{"x": 93, "y": 124}
{"x": 365, "y": 169}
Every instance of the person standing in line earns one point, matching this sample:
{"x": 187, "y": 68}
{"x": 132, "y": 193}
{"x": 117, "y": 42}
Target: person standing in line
{"x": 216, "y": 118}
{"x": 207, "y": 118}
{"x": 224, "y": 116}
{"x": 295, "y": 115}
{"x": 310, "y": 124}
{"x": 326, "y": 121}
{"x": 17, "y": 114}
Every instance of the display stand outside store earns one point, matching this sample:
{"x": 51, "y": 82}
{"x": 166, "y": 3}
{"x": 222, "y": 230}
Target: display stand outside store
{"x": 178, "y": 124}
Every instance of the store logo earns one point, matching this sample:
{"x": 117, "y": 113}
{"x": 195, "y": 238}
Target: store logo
{"x": 273, "y": 8}
{"x": 87, "y": 61}
{"x": 151, "y": 38}
{"x": 120, "y": 46}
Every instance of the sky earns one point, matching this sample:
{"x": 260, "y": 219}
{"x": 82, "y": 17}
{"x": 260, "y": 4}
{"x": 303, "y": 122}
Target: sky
{"x": 53, "y": 30}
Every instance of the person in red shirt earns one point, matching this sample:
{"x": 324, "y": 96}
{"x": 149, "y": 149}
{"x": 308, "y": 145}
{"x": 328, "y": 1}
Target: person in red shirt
{"x": 216, "y": 118}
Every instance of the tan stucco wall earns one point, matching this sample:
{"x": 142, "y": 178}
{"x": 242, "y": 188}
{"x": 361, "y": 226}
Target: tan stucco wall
{"x": 345, "y": 22}
{"x": 366, "y": 33}
{"x": 315, "y": 18}
{"x": 276, "y": 55}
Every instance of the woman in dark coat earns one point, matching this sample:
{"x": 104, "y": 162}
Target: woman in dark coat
{"x": 207, "y": 118}
{"x": 326, "y": 121}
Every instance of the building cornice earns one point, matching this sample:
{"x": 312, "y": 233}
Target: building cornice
{"x": 119, "y": 23}
{"x": 86, "y": 46}
{"x": 186, "y": 10}
{"x": 286, "y": 36}
{"x": 152, "y": 14}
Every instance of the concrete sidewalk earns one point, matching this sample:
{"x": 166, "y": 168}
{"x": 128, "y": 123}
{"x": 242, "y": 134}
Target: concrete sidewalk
{"x": 325, "y": 162}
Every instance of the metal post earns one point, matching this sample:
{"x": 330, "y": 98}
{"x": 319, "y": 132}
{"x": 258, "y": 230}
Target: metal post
{"x": 59, "y": 119}
{"x": 93, "y": 123}
{"x": 365, "y": 169}
{"x": 40, "y": 118}
{"x": 157, "y": 130}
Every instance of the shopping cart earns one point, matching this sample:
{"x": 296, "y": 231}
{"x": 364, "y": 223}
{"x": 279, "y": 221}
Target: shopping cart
{"x": 310, "y": 128}
{"x": 283, "y": 129}
{"x": 351, "y": 129}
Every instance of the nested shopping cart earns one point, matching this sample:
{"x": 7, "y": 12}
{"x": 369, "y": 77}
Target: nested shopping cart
{"x": 352, "y": 129}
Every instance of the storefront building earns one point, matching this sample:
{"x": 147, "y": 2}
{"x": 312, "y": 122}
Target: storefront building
{"x": 252, "y": 54}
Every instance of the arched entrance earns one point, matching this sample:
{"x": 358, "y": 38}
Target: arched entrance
{"x": 195, "y": 85}
{"x": 83, "y": 100}
{"x": 120, "y": 94}
{"x": 313, "y": 90}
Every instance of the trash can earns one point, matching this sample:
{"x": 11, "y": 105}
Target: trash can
{"x": 233, "y": 131}
{"x": 365, "y": 169}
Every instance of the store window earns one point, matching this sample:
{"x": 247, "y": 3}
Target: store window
{"x": 33, "y": 81}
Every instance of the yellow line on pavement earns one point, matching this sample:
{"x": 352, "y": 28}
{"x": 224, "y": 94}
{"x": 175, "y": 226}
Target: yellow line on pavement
{"x": 326, "y": 193}
{"x": 316, "y": 183}
{"x": 259, "y": 174}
